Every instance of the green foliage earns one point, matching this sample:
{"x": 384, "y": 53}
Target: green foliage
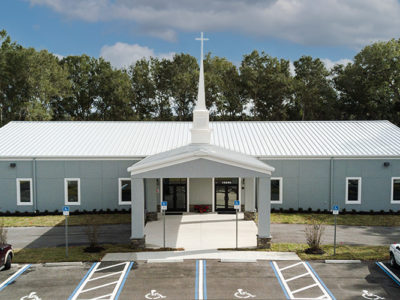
{"x": 36, "y": 85}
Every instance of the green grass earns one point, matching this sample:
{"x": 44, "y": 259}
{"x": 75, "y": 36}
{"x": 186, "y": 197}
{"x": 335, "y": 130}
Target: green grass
{"x": 75, "y": 253}
{"x": 365, "y": 253}
{"x": 278, "y": 218}
{"x": 328, "y": 219}
{"x": 59, "y": 220}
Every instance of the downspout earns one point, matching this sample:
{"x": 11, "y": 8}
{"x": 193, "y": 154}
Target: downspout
{"x": 331, "y": 185}
{"x": 34, "y": 186}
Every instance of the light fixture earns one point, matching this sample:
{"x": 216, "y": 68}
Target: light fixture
{"x": 13, "y": 165}
{"x": 386, "y": 164}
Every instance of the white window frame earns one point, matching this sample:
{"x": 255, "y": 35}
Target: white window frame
{"x": 359, "y": 190}
{"x": 66, "y": 191}
{"x": 280, "y": 190}
{"x": 19, "y": 191}
{"x": 120, "y": 202}
{"x": 392, "y": 201}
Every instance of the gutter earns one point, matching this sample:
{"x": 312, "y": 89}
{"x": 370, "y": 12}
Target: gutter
{"x": 34, "y": 186}
{"x": 331, "y": 184}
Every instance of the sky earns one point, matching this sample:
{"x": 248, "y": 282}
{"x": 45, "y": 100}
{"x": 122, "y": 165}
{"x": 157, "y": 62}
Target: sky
{"x": 123, "y": 31}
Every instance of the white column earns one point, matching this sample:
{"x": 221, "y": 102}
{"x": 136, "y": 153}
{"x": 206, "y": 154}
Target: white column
{"x": 264, "y": 207}
{"x": 249, "y": 194}
{"x": 240, "y": 193}
{"x": 213, "y": 194}
{"x": 188, "y": 194}
{"x": 137, "y": 212}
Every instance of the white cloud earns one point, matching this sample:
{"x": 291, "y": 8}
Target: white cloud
{"x": 329, "y": 22}
{"x": 59, "y": 56}
{"x": 329, "y": 64}
{"x": 122, "y": 55}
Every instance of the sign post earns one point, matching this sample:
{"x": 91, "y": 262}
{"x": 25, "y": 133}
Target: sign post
{"x": 163, "y": 209}
{"x": 237, "y": 207}
{"x": 335, "y": 211}
{"x": 66, "y": 214}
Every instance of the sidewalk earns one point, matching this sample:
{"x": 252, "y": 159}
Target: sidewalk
{"x": 165, "y": 256}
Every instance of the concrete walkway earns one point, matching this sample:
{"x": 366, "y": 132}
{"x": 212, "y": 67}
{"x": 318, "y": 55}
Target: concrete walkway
{"x": 231, "y": 256}
{"x": 36, "y": 237}
{"x": 202, "y": 232}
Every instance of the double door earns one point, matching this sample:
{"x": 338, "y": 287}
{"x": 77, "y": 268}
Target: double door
{"x": 175, "y": 193}
{"x": 226, "y": 192}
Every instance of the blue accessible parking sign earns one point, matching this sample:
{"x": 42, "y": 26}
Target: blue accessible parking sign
{"x": 65, "y": 210}
{"x": 335, "y": 209}
{"x": 163, "y": 205}
{"x": 236, "y": 204}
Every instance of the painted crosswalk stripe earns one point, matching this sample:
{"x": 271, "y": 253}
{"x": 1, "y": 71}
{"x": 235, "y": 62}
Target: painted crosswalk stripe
{"x": 201, "y": 281}
{"x": 116, "y": 283}
{"x": 12, "y": 278}
{"x": 389, "y": 273}
{"x": 326, "y": 293}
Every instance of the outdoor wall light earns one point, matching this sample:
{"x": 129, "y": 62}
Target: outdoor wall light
{"x": 386, "y": 164}
{"x": 13, "y": 165}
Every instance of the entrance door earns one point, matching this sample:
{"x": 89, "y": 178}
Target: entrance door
{"x": 174, "y": 192}
{"x": 226, "y": 192}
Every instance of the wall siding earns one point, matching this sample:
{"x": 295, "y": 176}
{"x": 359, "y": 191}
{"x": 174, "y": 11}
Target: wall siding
{"x": 306, "y": 184}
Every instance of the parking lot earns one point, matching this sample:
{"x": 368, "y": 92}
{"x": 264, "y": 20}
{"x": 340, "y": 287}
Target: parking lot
{"x": 201, "y": 279}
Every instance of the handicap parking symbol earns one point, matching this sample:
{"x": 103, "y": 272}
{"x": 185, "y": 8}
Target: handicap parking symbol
{"x": 31, "y": 296}
{"x": 154, "y": 295}
{"x": 242, "y": 294}
{"x": 368, "y": 295}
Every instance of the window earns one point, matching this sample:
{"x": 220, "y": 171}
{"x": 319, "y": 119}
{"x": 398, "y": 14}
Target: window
{"x": 124, "y": 191}
{"x": 395, "y": 190}
{"x": 72, "y": 187}
{"x": 276, "y": 190}
{"x": 24, "y": 191}
{"x": 353, "y": 190}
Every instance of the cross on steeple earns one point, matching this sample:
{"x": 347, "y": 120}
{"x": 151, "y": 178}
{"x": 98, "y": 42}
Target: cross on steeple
{"x": 201, "y": 131}
{"x": 202, "y": 39}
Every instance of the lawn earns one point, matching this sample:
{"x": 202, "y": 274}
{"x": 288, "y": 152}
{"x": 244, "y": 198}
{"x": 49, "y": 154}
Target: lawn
{"x": 76, "y": 253}
{"x": 278, "y": 218}
{"x": 59, "y": 220}
{"x": 328, "y": 219}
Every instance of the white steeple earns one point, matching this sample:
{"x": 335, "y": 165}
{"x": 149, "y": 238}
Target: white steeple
{"x": 201, "y": 132}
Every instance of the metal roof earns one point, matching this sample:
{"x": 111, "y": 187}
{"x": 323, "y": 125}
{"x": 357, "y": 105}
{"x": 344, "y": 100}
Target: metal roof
{"x": 72, "y": 139}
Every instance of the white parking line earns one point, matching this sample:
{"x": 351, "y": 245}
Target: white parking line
{"x": 13, "y": 277}
{"x": 326, "y": 294}
{"x": 116, "y": 283}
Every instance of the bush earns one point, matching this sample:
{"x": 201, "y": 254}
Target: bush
{"x": 314, "y": 232}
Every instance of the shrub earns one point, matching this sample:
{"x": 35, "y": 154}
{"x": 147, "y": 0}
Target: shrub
{"x": 314, "y": 232}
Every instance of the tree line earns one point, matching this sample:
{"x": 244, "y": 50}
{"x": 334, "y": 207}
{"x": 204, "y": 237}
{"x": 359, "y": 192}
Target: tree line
{"x": 37, "y": 85}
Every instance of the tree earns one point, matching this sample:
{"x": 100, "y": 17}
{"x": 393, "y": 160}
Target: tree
{"x": 113, "y": 93}
{"x": 369, "y": 88}
{"x": 313, "y": 91}
{"x": 266, "y": 84}
{"x": 184, "y": 81}
{"x": 30, "y": 81}
{"x": 143, "y": 89}
{"x": 79, "y": 103}
{"x": 162, "y": 77}
{"x": 222, "y": 84}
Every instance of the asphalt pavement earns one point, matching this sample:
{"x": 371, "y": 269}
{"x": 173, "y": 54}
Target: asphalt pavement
{"x": 37, "y": 237}
{"x": 201, "y": 279}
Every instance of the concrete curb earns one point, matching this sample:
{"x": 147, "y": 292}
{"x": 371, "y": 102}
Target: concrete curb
{"x": 341, "y": 261}
{"x": 233, "y": 260}
{"x": 168, "y": 260}
{"x": 64, "y": 264}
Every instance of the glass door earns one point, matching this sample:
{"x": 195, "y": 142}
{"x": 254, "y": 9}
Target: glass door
{"x": 174, "y": 192}
{"x": 226, "y": 192}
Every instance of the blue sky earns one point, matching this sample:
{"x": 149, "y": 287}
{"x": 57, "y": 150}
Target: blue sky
{"x": 124, "y": 30}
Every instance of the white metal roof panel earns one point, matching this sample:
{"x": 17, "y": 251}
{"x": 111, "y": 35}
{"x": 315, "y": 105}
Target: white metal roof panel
{"x": 140, "y": 139}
